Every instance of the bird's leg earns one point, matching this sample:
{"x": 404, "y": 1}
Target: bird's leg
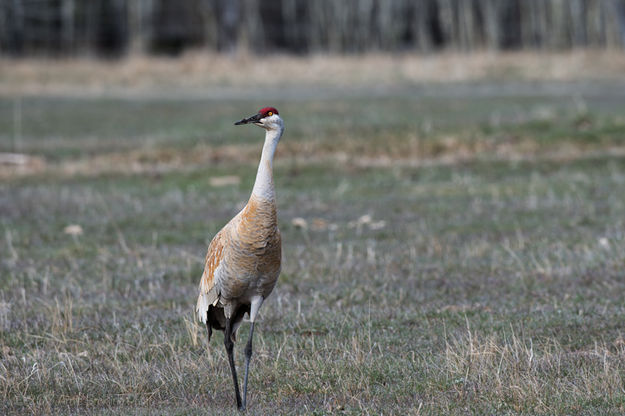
{"x": 248, "y": 356}
{"x": 230, "y": 350}
{"x": 209, "y": 331}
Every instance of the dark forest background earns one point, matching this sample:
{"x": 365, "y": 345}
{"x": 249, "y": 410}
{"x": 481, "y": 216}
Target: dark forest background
{"x": 117, "y": 27}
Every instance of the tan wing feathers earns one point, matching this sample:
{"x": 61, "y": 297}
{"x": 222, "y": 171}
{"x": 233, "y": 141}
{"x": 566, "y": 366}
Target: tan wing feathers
{"x": 213, "y": 259}
{"x": 208, "y": 293}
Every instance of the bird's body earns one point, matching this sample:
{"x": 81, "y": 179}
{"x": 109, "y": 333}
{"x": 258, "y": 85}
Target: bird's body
{"x": 242, "y": 263}
{"x": 244, "y": 258}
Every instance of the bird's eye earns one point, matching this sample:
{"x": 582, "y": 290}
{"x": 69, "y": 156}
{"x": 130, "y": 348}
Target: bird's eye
{"x": 270, "y": 113}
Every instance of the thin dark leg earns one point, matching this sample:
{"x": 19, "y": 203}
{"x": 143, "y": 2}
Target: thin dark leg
{"x": 230, "y": 350}
{"x": 248, "y": 356}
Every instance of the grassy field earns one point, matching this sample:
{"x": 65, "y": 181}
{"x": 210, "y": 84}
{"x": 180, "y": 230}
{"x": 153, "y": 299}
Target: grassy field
{"x": 456, "y": 248}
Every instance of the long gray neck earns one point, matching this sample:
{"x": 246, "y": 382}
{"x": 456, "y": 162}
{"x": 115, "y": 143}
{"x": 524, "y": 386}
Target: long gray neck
{"x": 263, "y": 187}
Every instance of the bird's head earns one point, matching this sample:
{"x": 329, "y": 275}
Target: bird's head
{"x": 267, "y": 118}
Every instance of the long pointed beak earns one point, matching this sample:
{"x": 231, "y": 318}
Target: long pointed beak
{"x": 254, "y": 119}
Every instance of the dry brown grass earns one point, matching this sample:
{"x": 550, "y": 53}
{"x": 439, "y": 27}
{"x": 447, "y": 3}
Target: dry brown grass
{"x": 515, "y": 370}
{"x": 442, "y": 287}
{"x": 206, "y": 70}
{"x": 463, "y": 288}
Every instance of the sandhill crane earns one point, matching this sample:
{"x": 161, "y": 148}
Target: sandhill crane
{"x": 243, "y": 260}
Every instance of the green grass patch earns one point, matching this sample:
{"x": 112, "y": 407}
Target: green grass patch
{"x": 480, "y": 286}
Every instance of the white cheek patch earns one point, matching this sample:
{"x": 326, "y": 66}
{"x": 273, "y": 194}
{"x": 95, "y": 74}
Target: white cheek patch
{"x": 273, "y": 121}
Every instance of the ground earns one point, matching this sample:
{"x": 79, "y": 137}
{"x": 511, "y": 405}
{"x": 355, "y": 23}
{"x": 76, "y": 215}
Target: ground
{"x": 450, "y": 247}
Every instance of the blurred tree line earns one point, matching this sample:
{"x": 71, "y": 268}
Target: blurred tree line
{"x": 115, "y": 27}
